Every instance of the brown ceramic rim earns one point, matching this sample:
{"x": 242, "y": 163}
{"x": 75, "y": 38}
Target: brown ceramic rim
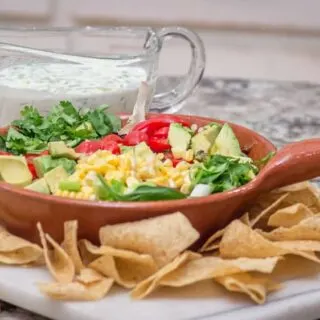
{"x": 144, "y": 205}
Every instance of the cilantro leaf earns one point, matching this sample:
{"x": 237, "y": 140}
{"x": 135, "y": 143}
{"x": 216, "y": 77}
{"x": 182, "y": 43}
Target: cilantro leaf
{"x": 223, "y": 173}
{"x": 63, "y": 123}
{"x": 100, "y": 122}
{"x": 18, "y": 143}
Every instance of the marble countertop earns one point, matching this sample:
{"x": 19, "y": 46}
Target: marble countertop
{"x": 281, "y": 111}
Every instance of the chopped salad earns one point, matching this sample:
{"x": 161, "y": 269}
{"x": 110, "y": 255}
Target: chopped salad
{"x": 79, "y": 154}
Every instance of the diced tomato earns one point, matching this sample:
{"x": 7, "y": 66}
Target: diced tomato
{"x": 135, "y": 137}
{"x": 91, "y": 146}
{"x": 112, "y": 137}
{"x": 88, "y": 146}
{"x": 3, "y": 153}
{"x": 158, "y": 145}
{"x": 151, "y": 125}
{"x": 161, "y": 133}
{"x": 4, "y": 131}
{"x": 111, "y": 146}
{"x": 32, "y": 170}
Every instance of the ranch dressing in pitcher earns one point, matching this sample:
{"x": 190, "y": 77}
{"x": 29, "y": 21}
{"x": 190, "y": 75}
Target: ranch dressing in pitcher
{"x": 44, "y": 84}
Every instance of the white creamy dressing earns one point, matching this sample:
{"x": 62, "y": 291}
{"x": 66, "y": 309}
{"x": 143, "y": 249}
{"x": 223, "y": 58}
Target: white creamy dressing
{"x": 44, "y": 84}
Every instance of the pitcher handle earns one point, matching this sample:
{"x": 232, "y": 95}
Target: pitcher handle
{"x": 166, "y": 101}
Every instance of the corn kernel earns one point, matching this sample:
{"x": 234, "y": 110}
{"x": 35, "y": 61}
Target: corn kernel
{"x": 167, "y": 163}
{"x": 188, "y": 156}
{"x": 171, "y": 183}
{"x": 194, "y": 127}
{"x": 114, "y": 175}
{"x": 175, "y": 174}
{"x": 114, "y": 161}
{"x": 160, "y": 156}
{"x": 183, "y": 165}
{"x": 162, "y": 181}
{"x": 79, "y": 195}
{"x": 179, "y": 182}
{"x": 87, "y": 189}
{"x": 132, "y": 182}
{"x": 185, "y": 188}
{"x": 145, "y": 173}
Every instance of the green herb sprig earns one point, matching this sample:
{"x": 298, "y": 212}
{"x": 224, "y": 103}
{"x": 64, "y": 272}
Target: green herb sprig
{"x": 32, "y": 132}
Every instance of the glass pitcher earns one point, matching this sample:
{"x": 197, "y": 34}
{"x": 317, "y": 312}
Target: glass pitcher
{"x": 89, "y": 67}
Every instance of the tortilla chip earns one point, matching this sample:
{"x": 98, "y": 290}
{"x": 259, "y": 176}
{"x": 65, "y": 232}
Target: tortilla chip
{"x": 300, "y": 245}
{"x": 241, "y": 241}
{"x": 307, "y": 229}
{"x": 88, "y": 276}
{"x": 161, "y": 237}
{"x": 212, "y": 267}
{"x": 58, "y": 262}
{"x": 127, "y": 269}
{"x": 70, "y": 244}
{"x": 188, "y": 269}
{"x": 17, "y": 251}
{"x": 213, "y": 242}
{"x": 290, "y": 216}
{"x": 256, "y": 287}
{"x": 304, "y": 192}
{"x": 148, "y": 285}
{"x": 261, "y": 217}
{"x": 86, "y": 256}
{"x": 76, "y": 291}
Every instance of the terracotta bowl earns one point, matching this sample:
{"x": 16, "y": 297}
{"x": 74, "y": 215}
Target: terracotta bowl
{"x": 21, "y": 209}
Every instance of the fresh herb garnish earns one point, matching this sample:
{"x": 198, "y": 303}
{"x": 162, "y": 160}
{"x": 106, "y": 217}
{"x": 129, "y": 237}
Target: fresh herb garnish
{"x": 223, "y": 173}
{"x": 263, "y": 161}
{"x": 64, "y": 123}
{"x": 18, "y": 143}
{"x": 115, "y": 192}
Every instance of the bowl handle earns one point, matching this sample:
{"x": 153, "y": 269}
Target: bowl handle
{"x": 295, "y": 162}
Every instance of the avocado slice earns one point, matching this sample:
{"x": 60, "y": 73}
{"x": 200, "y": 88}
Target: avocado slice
{"x": 203, "y": 140}
{"x": 142, "y": 150}
{"x": 14, "y": 170}
{"x": 58, "y": 149}
{"x": 39, "y": 185}
{"x": 226, "y": 143}
{"x": 46, "y": 163}
{"x": 54, "y": 177}
{"x": 179, "y": 137}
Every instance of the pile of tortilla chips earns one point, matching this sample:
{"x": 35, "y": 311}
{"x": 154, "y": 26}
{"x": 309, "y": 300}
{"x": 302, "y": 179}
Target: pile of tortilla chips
{"x": 145, "y": 255}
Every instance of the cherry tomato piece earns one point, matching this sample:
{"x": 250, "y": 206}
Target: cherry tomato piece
{"x": 3, "y": 153}
{"x": 151, "y": 125}
{"x": 32, "y": 170}
{"x": 4, "y": 131}
{"x": 112, "y": 137}
{"x": 88, "y": 146}
{"x": 111, "y": 146}
{"x": 135, "y": 137}
{"x": 174, "y": 160}
{"x": 161, "y": 133}
{"x": 158, "y": 145}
